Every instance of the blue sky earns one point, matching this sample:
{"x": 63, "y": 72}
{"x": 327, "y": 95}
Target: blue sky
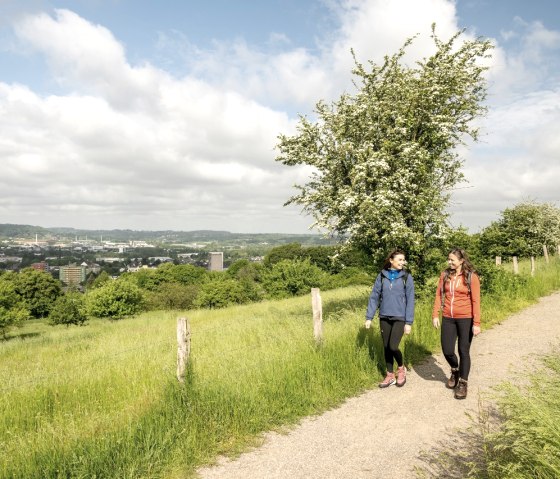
{"x": 164, "y": 115}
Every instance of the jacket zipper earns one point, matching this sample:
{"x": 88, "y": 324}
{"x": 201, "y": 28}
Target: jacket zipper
{"x": 452, "y": 287}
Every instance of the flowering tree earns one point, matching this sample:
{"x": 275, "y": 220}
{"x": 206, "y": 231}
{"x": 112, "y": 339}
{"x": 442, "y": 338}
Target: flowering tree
{"x": 385, "y": 159}
{"x": 523, "y": 230}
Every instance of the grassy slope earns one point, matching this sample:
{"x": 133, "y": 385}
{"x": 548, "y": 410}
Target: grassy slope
{"x": 102, "y": 400}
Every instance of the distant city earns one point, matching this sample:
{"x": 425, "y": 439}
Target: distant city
{"x": 74, "y": 255}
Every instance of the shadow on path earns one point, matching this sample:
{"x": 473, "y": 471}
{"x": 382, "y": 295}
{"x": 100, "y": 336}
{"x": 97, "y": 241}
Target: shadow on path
{"x": 430, "y": 370}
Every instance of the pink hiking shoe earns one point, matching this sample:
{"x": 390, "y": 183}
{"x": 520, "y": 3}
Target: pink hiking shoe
{"x": 401, "y": 376}
{"x": 388, "y": 381}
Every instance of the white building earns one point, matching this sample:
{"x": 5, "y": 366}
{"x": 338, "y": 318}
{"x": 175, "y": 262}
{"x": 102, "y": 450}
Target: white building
{"x": 216, "y": 262}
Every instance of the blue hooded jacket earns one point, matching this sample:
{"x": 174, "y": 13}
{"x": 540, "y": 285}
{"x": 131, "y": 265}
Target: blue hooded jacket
{"x": 392, "y": 296}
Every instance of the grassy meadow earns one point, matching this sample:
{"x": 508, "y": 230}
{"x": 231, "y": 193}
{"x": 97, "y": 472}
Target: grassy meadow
{"x": 102, "y": 400}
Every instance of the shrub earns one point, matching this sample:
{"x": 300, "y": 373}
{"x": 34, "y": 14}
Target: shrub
{"x": 172, "y": 296}
{"x": 69, "y": 309}
{"x": 12, "y": 310}
{"x": 291, "y": 278}
{"x": 38, "y": 290}
{"x": 349, "y": 277}
{"x": 221, "y": 293}
{"x": 115, "y": 300}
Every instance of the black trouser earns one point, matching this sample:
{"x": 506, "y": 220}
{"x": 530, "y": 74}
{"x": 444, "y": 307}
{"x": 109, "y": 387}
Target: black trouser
{"x": 392, "y": 331}
{"x": 451, "y": 330}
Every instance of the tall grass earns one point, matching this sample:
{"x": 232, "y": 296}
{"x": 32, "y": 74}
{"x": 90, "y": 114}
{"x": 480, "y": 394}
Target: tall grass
{"x": 102, "y": 401}
{"x": 517, "y": 438}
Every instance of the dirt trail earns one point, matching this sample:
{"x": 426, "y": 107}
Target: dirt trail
{"x": 382, "y": 433}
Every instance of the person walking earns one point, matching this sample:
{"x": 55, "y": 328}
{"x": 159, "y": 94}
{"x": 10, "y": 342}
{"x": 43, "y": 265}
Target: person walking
{"x": 393, "y": 295}
{"x": 458, "y": 298}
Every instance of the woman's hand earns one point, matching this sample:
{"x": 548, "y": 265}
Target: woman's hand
{"x": 368, "y": 323}
{"x": 407, "y": 328}
{"x": 435, "y": 322}
{"x": 476, "y": 330}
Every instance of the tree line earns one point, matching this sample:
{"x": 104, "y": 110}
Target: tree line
{"x": 286, "y": 271}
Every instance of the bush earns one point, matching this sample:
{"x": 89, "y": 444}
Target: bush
{"x": 38, "y": 290}
{"x": 12, "y": 310}
{"x": 69, "y": 309}
{"x": 221, "y": 293}
{"x": 115, "y": 300}
{"x": 494, "y": 279}
{"x": 349, "y": 277}
{"x": 291, "y": 278}
{"x": 172, "y": 296}
{"x": 101, "y": 279}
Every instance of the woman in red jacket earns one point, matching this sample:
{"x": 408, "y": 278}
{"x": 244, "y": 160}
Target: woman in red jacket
{"x": 458, "y": 297}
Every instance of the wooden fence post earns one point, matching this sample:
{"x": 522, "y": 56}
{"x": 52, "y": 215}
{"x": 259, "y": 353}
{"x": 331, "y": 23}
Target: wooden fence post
{"x": 183, "y": 347}
{"x": 515, "y": 265}
{"x": 532, "y": 266}
{"x": 498, "y": 260}
{"x": 545, "y": 252}
{"x": 317, "y": 314}
{"x": 558, "y": 248}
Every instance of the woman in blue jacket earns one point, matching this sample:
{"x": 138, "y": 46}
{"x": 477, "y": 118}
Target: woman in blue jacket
{"x": 393, "y": 294}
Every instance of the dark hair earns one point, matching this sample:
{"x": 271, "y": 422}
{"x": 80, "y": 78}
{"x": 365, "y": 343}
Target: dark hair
{"x": 461, "y": 254}
{"x": 392, "y": 254}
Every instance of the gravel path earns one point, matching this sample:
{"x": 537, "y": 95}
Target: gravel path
{"x": 382, "y": 433}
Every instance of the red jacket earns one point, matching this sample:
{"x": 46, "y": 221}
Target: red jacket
{"x": 459, "y": 302}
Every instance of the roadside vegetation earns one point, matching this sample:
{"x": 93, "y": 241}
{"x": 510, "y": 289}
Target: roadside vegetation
{"x": 102, "y": 400}
{"x": 516, "y": 437}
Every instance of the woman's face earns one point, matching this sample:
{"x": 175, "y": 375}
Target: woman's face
{"x": 454, "y": 262}
{"x": 397, "y": 261}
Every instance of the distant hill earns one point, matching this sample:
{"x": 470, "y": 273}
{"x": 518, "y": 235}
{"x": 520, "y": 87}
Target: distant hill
{"x": 166, "y": 236}
{"x": 22, "y": 231}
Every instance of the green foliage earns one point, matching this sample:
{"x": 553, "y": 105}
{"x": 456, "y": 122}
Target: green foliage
{"x": 70, "y": 308}
{"x": 188, "y": 274}
{"x": 291, "y": 278}
{"x": 12, "y": 310}
{"x": 523, "y": 230}
{"x": 85, "y": 417}
{"x": 101, "y": 279}
{"x": 38, "y": 290}
{"x": 290, "y": 251}
{"x": 172, "y": 296}
{"x": 115, "y": 300}
{"x": 244, "y": 269}
{"x": 527, "y": 442}
{"x": 385, "y": 159}
{"x": 221, "y": 293}
{"x": 349, "y": 277}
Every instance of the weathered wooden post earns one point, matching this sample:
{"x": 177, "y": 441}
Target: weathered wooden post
{"x": 532, "y": 266}
{"x": 558, "y": 250}
{"x": 515, "y": 265}
{"x": 498, "y": 260}
{"x": 317, "y": 306}
{"x": 183, "y": 347}
{"x": 545, "y": 252}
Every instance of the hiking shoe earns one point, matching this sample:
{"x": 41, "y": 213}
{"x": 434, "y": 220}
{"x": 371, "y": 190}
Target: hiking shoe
{"x": 388, "y": 381}
{"x": 461, "y": 389}
{"x": 453, "y": 379}
{"x": 401, "y": 376}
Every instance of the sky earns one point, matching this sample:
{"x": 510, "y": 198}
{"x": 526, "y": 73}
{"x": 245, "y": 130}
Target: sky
{"x": 145, "y": 115}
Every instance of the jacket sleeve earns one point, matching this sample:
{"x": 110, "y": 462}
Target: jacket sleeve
{"x": 409, "y": 315}
{"x": 475, "y": 299}
{"x": 437, "y": 301}
{"x": 373, "y": 302}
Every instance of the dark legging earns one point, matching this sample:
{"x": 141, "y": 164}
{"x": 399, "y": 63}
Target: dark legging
{"x": 392, "y": 331}
{"x": 451, "y": 329}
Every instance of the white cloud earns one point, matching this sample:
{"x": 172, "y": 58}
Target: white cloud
{"x": 133, "y": 146}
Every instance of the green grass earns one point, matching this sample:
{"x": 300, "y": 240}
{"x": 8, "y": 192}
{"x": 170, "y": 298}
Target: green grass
{"x": 102, "y": 400}
{"x": 517, "y": 438}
